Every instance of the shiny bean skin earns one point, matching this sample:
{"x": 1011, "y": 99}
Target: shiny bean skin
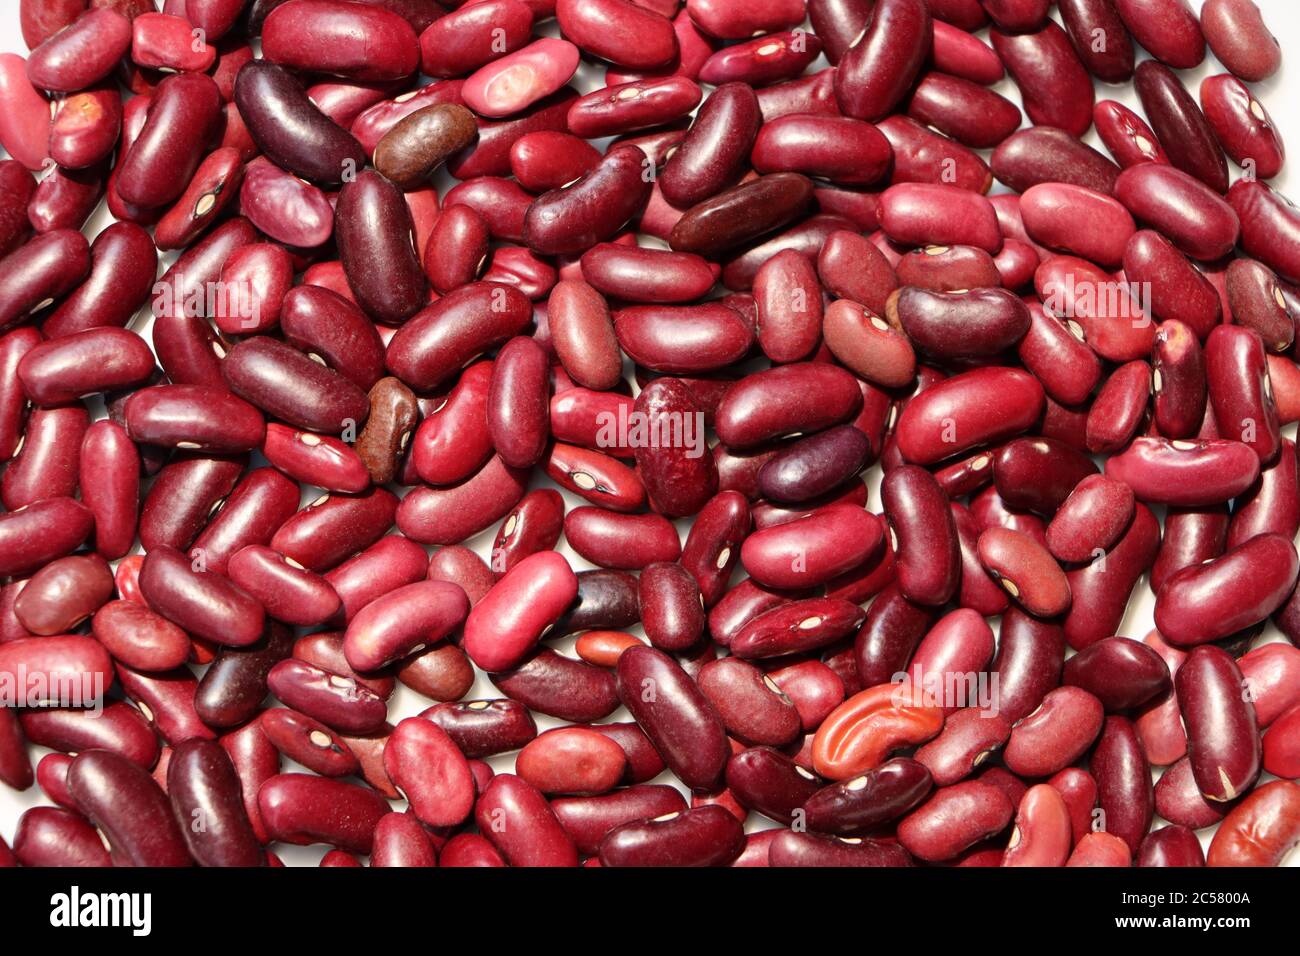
{"x": 1055, "y": 87}
{"x": 506, "y": 624}
{"x": 813, "y": 396}
{"x": 161, "y": 160}
{"x": 1167, "y": 28}
{"x": 711, "y": 156}
{"x": 521, "y": 825}
{"x": 1178, "y": 380}
{"x": 339, "y": 702}
{"x": 560, "y": 687}
{"x": 675, "y": 714}
{"x": 587, "y": 819}
{"x": 927, "y": 559}
{"x": 64, "y": 593}
{"x": 572, "y": 219}
{"x": 1041, "y": 154}
{"x": 41, "y": 272}
{"x": 1094, "y": 516}
{"x": 1261, "y": 830}
{"x": 968, "y": 410}
{"x": 428, "y": 768}
{"x": 1185, "y": 472}
{"x": 334, "y": 527}
{"x": 518, "y": 403}
{"x": 1123, "y": 776}
{"x": 1121, "y": 673}
{"x": 372, "y": 224}
{"x": 1196, "y": 605}
{"x": 703, "y": 836}
{"x": 203, "y": 602}
{"x": 572, "y": 760}
{"x": 991, "y": 321}
{"x": 1100, "y": 590}
{"x": 129, "y": 808}
{"x": 736, "y": 217}
{"x": 1189, "y": 213}
{"x": 48, "y": 836}
{"x": 202, "y": 785}
{"x": 1026, "y": 570}
{"x": 1222, "y": 731}
{"x": 1242, "y": 126}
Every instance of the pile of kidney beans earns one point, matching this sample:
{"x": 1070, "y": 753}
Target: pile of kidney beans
{"x": 1069, "y": 387}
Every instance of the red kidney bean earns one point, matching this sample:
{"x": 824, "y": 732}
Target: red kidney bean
{"x": 334, "y": 527}
{"x": 1042, "y": 154}
{"x": 1042, "y": 835}
{"x": 506, "y": 624}
{"x": 1281, "y": 755}
{"x": 712, "y": 155}
{"x": 458, "y": 248}
{"x": 974, "y": 116}
{"x": 910, "y": 215}
{"x": 1185, "y": 472}
{"x": 1127, "y": 136}
{"x": 572, "y": 219}
{"x": 1242, "y": 126}
{"x": 572, "y": 760}
{"x": 516, "y": 818}
{"x": 1257, "y": 302}
{"x": 123, "y": 266}
{"x": 587, "y": 819}
{"x": 813, "y": 549}
{"x": 289, "y": 594}
{"x": 203, "y": 602}
{"x": 64, "y": 593}
{"x": 1262, "y": 569}
{"x": 481, "y": 728}
{"x": 184, "y": 496}
{"x": 1261, "y": 830}
{"x": 893, "y": 629}
{"x": 560, "y": 687}
{"x": 194, "y": 416}
{"x": 25, "y": 130}
{"x": 813, "y": 396}
{"x": 1239, "y": 388}
{"x": 814, "y": 466}
{"x": 59, "y": 371}
{"x": 427, "y": 767}
{"x": 48, "y": 462}
{"x": 1056, "y": 89}
{"x": 1123, "y": 782}
{"x": 118, "y": 729}
{"x": 339, "y": 702}
{"x": 168, "y": 43}
{"x": 82, "y": 53}
{"x": 1100, "y": 590}
{"x": 1123, "y": 674}
{"x": 1272, "y": 672}
{"x": 56, "y": 666}
{"x": 1093, "y": 517}
{"x": 1178, "y": 380}
{"x": 968, "y": 410}
{"x": 953, "y": 819}
{"x": 1167, "y": 28}
{"x": 454, "y": 330}
{"x": 992, "y": 320}
{"x": 518, "y": 403}
{"x": 234, "y": 686}
{"x": 1028, "y": 663}
{"x": 47, "y": 836}
{"x": 461, "y": 41}
{"x": 1196, "y": 219}
{"x": 1171, "y": 846}
{"x": 369, "y": 43}
{"x": 744, "y": 213}
{"x": 968, "y": 738}
{"x": 1079, "y": 791}
{"x": 162, "y": 159}
{"x": 204, "y": 790}
{"x": 622, "y": 32}
{"x": 519, "y": 79}
{"x": 675, "y": 715}
{"x": 1222, "y": 732}
{"x": 325, "y": 649}
{"x": 140, "y": 638}
{"x": 1026, "y": 570}
{"x": 373, "y": 224}
{"x": 468, "y": 849}
{"x": 616, "y": 109}
{"x": 1240, "y": 39}
{"x": 400, "y": 840}
{"x": 921, "y": 156}
{"x": 948, "y": 269}
{"x": 860, "y": 733}
{"x": 302, "y": 809}
{"x": 1100, "y": 38}
{"x": 703, "y": 836}
{"x": 1180, "y": 126}
{"x": 40, "y": 273}
{"x": 684, "y": 338}
{"x": 924, "y": 537}
{"x": 1056, "y": 734}
{"x": 1271, "y": 505}
{"x": 124, "y": 803}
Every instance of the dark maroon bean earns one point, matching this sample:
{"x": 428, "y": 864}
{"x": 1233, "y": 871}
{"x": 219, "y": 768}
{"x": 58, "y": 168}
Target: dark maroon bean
{"x": 184, "y": 496}
{"x": 588, "y": 819}
{"x": 124, "y": 802}
{"x": 1222, "y": 731}
{"x": 250, "y": 515}
{"x": 47, "y": 836}
{"x": 203, "y": 602}
{"x": 457, "y": 328}
{"x": 1180, "y": 126}
{"x": 448, "y": 515}
{"x": 1028, "y": 662}
{"x": 482, "y": 728}
{"x": 815, "y": 465}
{"x": 234, "y": 686}
{"x": 1123, "y": 776}
{"x": 372, "y": 225}
{"x": 287, "y": 384}
{"x": 40, "y": 272}
{"x": 1100, "y": 38}
{"x": 560, "y": 687}
{"x": 1100, "y": 590}
{"x": 928, "y": 560}
{"x": 1240, "y": 392}
{"x": 740, "y": 215}
{"x": 1122, "y": 673}
{"x": 1171, "y": 846}
{"x": 791, "y": 848}
{"x": 712, "y": 155}
{"x": 591, "y": 210}
{"x": 969, "y": 113}
{"x": 194, "y": 416}
{"x": 991, "y": 321}
{"x": 892, "y": 631}
{"x": 704, "y": 836}
{"x": 1257, "y": 302}
{"x": 876, "y": 71}
{"x": 204, "y": 790}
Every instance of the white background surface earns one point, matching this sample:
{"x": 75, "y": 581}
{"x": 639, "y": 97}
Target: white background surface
{"x": 1281, "y": 97}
